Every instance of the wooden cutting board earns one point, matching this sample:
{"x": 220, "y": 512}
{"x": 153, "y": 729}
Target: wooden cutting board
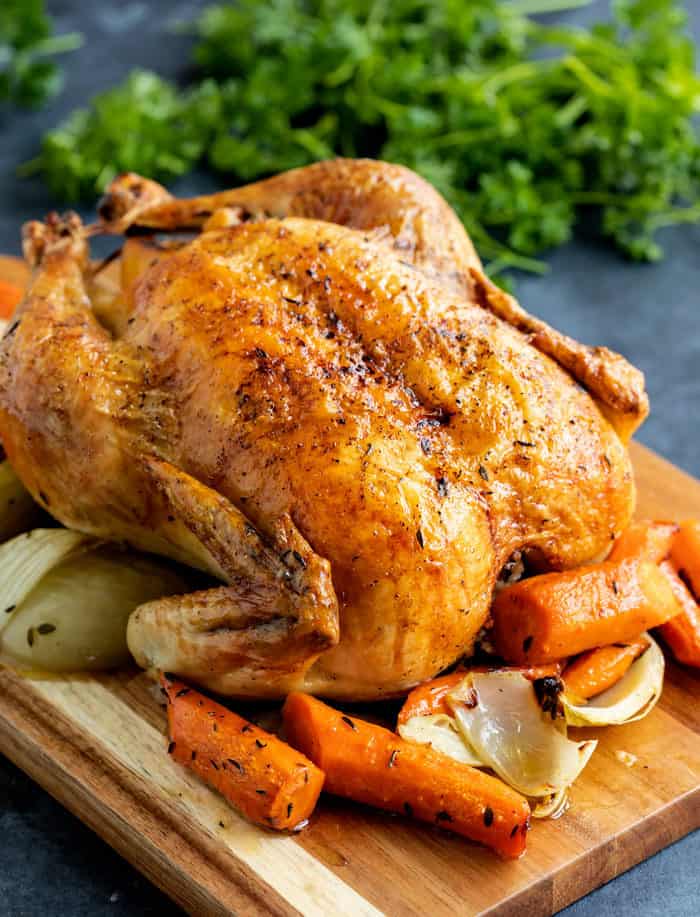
{"x": 97, "y": 744}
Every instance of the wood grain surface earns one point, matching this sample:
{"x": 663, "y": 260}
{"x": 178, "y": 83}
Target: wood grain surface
{"x": 97, "y": 744}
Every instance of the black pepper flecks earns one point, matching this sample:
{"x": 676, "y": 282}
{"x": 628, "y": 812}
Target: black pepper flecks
{"x": 349, "y": 722}
{"x": 488, "y": 816}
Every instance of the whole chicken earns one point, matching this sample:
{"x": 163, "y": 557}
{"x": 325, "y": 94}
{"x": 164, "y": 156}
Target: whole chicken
{"x": 319, "y": 398}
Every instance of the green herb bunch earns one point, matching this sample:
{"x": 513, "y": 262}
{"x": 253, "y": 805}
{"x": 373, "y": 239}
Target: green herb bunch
{"x": 522, "y": 126}
{"x": 28, "y": 76}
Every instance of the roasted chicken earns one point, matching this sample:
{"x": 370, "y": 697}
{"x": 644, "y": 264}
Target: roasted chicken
{"x": 320, "y": 399}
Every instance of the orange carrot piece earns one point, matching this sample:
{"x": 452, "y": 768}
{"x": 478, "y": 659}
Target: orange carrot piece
{"x": 372, "y": 765}
{"x": 15, "y": 270}
{"x": 267, "y": 780}
{"x": 595, "y": 671}
{"x": 645, "y": 540}
{"x": 685, "y": 554}
{"x": 556, "y": 615}
{"x": 682, "y": 633}
{"x": 10, "y": 296}
{"x": 431, "y": 697}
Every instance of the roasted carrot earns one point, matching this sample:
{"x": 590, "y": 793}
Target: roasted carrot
{"x": 271, "y": 783}
{"x": 595, "y": 671}
{"x": 430, "y": 697}
{"x": 562, "y": 614}
{"x": 655, "y": 541}
{"x": 685, "y": 554}
{"x": 374, "y": 766}
{"x": 682, "y": 633}
{"x": 10, "y": 296}
{"x": 645, "y": 540}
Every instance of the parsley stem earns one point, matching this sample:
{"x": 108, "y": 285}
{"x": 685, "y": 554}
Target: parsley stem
{"x": 571, "y": 112}
{"x": 57, "y": 44}
{"x": 514, "y": 74}
{"x": 464, "y": 138}
{"x": 537, "y": 7}
{"x": 675, "y": 216}
{"x": 587, "y": 76}
{"x": 503, "y": 257}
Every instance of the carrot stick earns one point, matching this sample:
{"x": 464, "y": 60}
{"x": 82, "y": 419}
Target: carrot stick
{"x": 597, "y": 670}
{"x": 562, "y": 614}
{"x": 655, "y": 541}
{"x": 10, "y": 296}
{"x": 685, "y": 554}
{"x": 682, "y": 633}
{"x": 645, "y": 541}
{"x": 261, "y": 776}
{"x": 374, "y": 766}
{"x": 431, "y": 697}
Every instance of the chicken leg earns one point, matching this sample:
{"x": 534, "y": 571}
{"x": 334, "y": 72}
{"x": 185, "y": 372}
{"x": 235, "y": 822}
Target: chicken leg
{"x": 277, "y": 611}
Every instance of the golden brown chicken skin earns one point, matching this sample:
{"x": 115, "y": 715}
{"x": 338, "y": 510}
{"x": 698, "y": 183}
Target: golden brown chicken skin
{"x": 352, "y": 445}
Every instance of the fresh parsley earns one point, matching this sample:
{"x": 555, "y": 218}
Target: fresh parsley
{"x": 143, "y": 125}
{"x": 28, "y": 76}
{"x": 524, "y": 126}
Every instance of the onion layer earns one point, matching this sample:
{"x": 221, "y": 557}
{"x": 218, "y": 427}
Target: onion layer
{"x": 498, "y": 714}
{"x": 67, "y": 599}
{"x": 632, "y": 698}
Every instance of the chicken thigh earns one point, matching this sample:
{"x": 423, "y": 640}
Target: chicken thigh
{"x": 322, "y": 401}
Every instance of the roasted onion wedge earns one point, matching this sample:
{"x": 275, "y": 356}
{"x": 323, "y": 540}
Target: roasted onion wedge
{"x": 441, "y": 732}
{"x": 500, "y": 717}
{"x": 632, "y": 698}
{"x": 66, "y": 599}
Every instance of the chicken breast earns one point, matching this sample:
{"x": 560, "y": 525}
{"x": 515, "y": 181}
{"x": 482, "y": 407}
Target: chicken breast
{"x": 352, "y": 431}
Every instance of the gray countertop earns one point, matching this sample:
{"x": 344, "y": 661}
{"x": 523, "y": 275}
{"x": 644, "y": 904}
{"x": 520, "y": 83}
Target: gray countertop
{"x": 51, "y": 863}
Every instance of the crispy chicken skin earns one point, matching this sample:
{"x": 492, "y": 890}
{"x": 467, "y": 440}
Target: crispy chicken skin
{"x": 354, "y": 432}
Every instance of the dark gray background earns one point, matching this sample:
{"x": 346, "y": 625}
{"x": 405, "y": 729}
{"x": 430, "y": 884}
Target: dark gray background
{"x": 50, "y": 863}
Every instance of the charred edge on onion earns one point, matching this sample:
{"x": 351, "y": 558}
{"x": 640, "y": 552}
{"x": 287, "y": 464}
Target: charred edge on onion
{"x": 548, "y": 690}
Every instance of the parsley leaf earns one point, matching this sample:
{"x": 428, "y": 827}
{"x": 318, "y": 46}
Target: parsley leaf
{"x": 143, "y": 125}
{"x": 27, "y": 76}
{"x": 525, "y": 127}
